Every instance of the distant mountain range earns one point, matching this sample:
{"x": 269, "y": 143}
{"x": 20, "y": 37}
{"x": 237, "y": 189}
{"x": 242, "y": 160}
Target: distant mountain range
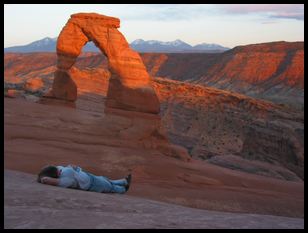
{"x": 49, "y": 45}
{"x": 174, "y": 46}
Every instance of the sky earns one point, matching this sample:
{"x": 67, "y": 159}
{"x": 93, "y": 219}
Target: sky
{"x": 229, "y": 25}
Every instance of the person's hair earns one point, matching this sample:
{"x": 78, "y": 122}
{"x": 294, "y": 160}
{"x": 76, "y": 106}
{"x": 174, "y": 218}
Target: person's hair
{"x": 49, "y": 171}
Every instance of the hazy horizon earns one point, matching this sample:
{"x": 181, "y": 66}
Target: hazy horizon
{"x": 228, "y": 25}
{"x": 161, "y": 41}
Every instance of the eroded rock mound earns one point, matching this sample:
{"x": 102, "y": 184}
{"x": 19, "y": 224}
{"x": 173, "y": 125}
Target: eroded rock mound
{"x": 129, "y": 86}
{"x": 34, "y": 85}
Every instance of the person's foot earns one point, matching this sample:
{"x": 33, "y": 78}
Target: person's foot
{"x": 128, "y": 179}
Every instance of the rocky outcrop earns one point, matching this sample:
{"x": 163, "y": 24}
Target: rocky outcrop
{"x": 213, "y": 124}
{"x": 129, "y": 85}
{"x": 11, "y": 93}
{"x": 34, "y": 85}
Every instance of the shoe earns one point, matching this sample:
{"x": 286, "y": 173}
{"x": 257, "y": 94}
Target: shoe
{"x": 128, "y": 179}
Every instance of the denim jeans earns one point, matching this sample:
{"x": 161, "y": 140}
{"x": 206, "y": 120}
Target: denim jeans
{"x": 102, "y": 184}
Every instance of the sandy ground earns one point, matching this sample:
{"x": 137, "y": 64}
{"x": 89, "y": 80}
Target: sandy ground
{"x": 37, "y": 134}
{"x": 29, "y": 204}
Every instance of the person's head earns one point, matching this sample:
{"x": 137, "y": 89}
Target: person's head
{"x": 49, "y": 171}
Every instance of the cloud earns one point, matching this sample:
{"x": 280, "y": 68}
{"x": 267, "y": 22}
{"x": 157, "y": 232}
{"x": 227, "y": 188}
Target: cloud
{"x": 178, "y": 12}
{"x": 166, "y": 12}
{"x": 298, "y": 16}
{"x": 269, "y": 22}
{"x": 288, "y": 11}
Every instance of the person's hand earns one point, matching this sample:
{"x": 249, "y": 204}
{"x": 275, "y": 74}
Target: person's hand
{"x": 43, "y": 179}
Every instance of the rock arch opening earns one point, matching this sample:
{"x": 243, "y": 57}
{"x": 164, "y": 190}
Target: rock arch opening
{"x": 129, "y": 85}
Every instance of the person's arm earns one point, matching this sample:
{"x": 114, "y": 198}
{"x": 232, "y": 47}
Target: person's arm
{"x": 50, "y": 181}
{"x": 66, "y": 182}
{"x": 75, "y": 167}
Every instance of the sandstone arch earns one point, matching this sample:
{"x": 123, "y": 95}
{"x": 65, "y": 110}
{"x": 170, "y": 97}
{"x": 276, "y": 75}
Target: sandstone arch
{"x": 132, "y": 106}
{"x": 130, "y": 84}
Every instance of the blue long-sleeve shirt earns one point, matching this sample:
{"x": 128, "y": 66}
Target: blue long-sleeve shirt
{"x": 73, "y": 178}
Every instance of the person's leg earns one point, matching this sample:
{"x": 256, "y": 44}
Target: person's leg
{"x": 121, "y": 182}
{"x": 118, "y": 189}
{"x": 100, "y": 184}
{"x": 105, "y": 185}
{"x": 128, "y": 178}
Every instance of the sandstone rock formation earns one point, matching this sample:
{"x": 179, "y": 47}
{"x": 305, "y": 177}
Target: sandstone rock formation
{"x": 131, "y": 99}
{"x": 129, "y": 85}
{"x": 224, "y": 128}
{"x": 11, "y": 93}
{"x": 34, "y": 85}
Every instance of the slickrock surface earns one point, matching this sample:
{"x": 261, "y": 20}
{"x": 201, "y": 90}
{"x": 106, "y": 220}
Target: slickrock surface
{"x": 29, "y": 204}
{"x": 37, "y": 134}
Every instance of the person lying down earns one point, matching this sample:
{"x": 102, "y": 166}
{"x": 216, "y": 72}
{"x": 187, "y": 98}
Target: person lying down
{"x": 72, "y": 176}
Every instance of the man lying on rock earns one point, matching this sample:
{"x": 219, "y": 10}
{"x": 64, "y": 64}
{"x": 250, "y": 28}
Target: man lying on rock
{"x": 73, "y": 176}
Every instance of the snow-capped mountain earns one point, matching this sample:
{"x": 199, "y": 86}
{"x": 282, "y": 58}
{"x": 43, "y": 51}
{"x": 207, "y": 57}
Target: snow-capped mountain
{"x": 49, "y": 45}
{"x": 205, "y": 46}
{"x": 174, "y": 46}
{"x": 159, "y": 46}
{"x": 139, "y": 42}
{"x": 44, "y": 42}
{"x": 45, "y": 45}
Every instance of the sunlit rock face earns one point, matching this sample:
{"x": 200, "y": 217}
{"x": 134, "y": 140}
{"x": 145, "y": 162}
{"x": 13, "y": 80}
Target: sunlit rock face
{"x": 129, "y": 85}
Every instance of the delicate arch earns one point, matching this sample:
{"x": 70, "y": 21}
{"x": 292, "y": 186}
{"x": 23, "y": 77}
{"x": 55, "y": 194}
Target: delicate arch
{"x": 129, "y": 86}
